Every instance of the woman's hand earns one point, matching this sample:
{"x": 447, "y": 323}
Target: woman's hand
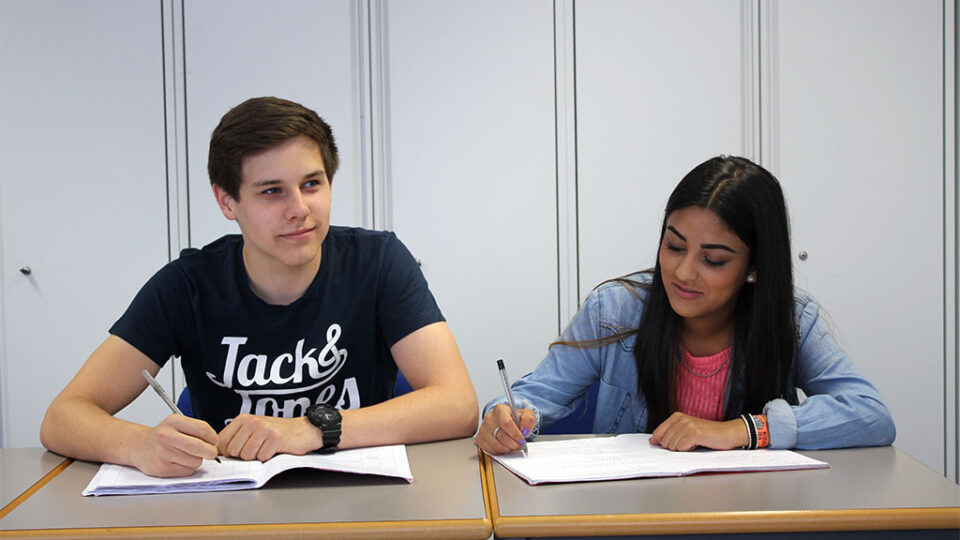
{"x": 498, "y": 434}
{"x": 684, "y": 432}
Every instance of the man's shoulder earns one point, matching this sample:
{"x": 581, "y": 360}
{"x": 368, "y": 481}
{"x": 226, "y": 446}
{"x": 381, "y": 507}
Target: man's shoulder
{"x": 225, "y": 246}
{"x": 213, "y": 262}
{"x": 359, "y": 237}
{"x": 362, "y": 245}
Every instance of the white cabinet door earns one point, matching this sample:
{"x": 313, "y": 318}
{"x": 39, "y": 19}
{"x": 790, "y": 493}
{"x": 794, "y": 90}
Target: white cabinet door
{"x": 661, "y": 87}
{"x": 857, "y": 141}
{"x": 83, "y": 193}
{"x": 302, "y": 50}
{"x": 471, "y": 171}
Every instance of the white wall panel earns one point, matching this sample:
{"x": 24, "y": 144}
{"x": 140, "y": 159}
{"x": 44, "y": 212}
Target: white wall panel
{"x": 472, "y": 171}
{"x": 302, "y": 50}
{"x": 82, "y": 199}
{"x": 660, "y": 88}
{"x": 857, "y": 141}
{"x": 462, "y": 163}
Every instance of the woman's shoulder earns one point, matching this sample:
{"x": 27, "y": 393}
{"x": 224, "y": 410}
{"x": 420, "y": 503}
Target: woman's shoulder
{"x": 807, "y": 309}
{"x": 619, "y": 301}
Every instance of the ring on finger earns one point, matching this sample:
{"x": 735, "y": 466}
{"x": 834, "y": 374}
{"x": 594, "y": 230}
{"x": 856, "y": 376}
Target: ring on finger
{"x": 496, "y": 432}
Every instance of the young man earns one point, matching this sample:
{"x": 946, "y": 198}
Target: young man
{"x": 277, "y": 328}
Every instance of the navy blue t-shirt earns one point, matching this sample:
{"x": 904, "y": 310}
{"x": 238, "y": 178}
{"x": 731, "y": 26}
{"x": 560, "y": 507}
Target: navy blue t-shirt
{"x": 243, "y": 355}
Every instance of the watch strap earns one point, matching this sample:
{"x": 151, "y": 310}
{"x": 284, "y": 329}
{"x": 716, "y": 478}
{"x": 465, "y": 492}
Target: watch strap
{"x": 331, "y": 439}
{"x": 328, "y": 420}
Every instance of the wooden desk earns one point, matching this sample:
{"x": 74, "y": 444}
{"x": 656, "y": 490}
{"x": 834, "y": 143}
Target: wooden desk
{"x": 21, "y": 469}
{"x": 865, "y": 489}
{"x": 445, "y": 500}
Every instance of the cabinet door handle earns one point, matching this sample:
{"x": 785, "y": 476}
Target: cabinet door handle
{"x": 25, "y": 270}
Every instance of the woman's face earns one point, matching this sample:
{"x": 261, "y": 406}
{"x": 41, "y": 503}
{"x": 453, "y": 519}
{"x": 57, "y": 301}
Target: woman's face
{"x": 703, "y": 265}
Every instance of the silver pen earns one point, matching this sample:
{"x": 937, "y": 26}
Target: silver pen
{"x": 513, "y": 406}
{"x": 161, "y": 392}
{"x": 166, "y": 399}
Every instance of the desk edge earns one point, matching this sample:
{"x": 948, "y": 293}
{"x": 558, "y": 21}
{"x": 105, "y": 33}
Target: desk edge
{"x": 446, "y": 528}
{"x": 732, "y": 522}
{"x": 35, "y": 487}
{"x": 717, "y": 522}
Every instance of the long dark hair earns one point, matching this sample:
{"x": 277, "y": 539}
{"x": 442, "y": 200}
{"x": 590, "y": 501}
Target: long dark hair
{"x": 749, "y": 200}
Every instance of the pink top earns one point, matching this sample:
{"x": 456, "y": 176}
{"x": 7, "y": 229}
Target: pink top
{"x": 701, "y": 384}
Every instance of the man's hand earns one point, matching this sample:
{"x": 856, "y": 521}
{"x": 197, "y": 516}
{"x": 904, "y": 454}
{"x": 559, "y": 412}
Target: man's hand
{"x": 498, "y": 434}
{"x": 252, "y": 437}
{"x": 684, "y": 432}
{"x": 175, "y": 447}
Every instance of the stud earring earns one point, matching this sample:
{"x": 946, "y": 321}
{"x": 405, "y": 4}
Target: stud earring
{"x": 751, "y": 278}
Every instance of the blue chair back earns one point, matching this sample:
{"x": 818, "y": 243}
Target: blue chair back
{"x": 581, "y": 419}
{"x": 183, "y": 402}
{"x": 402, "y": 386}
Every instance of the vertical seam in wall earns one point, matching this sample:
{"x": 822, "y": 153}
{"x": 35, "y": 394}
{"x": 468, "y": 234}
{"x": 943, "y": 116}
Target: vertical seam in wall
{"x": 576, "y": 152}
{"x": 370, "y": 157}
{"x": 943, "y": 217}
{"x": 556, "y": 159}
{"x": 751, "y": 79}
{"x": 758, "y": 81}
{"x": 3, "y": 326}
{"x": 767, "y": 84}
{"x": 381, "y": 189}
{"x": 951, "y": 275}
{"x": 565, "y": 154}
{"x": 166, "y": 125}
{"x": 383, "y": 95}
{"x": 370, "y": 121}
{"x": 956, "y": 240}
{"x": 186, "y": 135}
{"x": 364, "y": 58}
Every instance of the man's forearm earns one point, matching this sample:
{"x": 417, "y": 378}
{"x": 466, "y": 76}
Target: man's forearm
{"x": 428, "y": 414}
{"x": 79, "y": 429}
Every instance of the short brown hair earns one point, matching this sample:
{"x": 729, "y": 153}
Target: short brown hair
{"x": 257, "y": 125}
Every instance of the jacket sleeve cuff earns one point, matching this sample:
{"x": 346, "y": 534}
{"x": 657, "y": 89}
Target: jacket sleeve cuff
{"x": 782, "y": 424}
{"x": 522, "y": 403}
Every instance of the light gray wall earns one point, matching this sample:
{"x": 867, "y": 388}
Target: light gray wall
{"x": 522, "y": 150}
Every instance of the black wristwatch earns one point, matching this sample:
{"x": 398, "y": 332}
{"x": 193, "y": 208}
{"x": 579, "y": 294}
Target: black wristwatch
{"x": 327, "y": 419}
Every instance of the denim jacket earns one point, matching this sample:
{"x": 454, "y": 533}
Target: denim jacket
{"x": 842, "y": 409}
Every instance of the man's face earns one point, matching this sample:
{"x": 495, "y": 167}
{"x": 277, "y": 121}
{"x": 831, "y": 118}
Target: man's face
{"x": 283, "y": 208}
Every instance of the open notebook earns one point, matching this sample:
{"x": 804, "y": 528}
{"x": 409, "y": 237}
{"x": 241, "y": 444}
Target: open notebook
{"x": 235, "y": 474}
{"x": 632, "y": 456}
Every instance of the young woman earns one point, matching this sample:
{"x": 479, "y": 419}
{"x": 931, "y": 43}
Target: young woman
{"x": 708, "y": 348}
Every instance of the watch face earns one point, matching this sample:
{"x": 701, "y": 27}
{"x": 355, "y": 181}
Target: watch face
{"x": 328, "y": 415}
{"x": 328, "y": 420}
{"x": 322, "y": 415}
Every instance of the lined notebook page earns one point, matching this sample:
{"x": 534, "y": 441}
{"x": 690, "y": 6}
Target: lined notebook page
{"x": 631, "y": 455}
{"x": 235, "y": 474}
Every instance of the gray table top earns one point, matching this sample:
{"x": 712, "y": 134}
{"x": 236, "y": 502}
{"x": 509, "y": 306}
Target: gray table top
{"x": 21, "y": 468}
{"x": 861, "y": 483}
{"x": 446, "y": 497}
